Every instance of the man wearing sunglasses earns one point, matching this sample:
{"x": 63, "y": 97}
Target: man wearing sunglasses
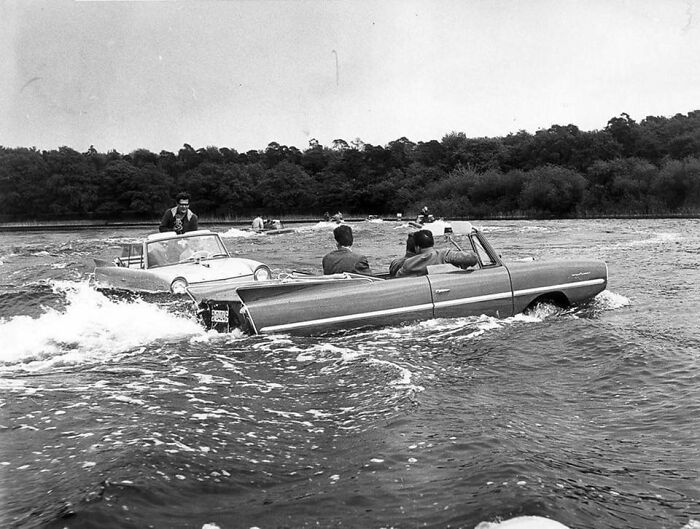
{"x": 179, "y": 219}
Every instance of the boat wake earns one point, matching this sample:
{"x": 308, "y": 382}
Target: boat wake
{"x": 608, "y": 300}
{"x": 236, "y": 232}
{"x": 321, "y": 225}
{"x": 89, "y": 327}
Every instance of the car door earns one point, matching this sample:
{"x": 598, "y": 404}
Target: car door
{"x": 472, "y": 292}
{"x": 485, "y": 289}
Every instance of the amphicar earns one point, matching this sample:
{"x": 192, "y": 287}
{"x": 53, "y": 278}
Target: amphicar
{"x": 303, "y": 304}
{"x": 166, "y": 262}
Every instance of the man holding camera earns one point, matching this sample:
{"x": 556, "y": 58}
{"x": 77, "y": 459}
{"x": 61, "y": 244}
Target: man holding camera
{"x": 179, "y": 219}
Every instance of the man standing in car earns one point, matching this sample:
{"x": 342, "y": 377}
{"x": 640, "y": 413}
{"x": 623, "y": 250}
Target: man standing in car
{"x": 179, "y": 219}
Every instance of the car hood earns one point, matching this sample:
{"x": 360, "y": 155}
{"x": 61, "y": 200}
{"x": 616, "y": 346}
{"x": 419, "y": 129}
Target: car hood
{"x": 208, "y": 270}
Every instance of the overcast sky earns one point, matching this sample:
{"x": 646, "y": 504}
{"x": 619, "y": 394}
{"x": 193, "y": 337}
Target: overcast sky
{"x": 244, "y": 73}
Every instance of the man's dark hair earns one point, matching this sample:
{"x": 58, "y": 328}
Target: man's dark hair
{"x": 423, "y": 238}
{"x": 343, "y": 235}
{"x": 182, "y": 196}
{"x": 410, "y": 245}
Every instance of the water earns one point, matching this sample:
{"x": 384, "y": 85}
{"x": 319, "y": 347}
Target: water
{"x": 121, "y": 411}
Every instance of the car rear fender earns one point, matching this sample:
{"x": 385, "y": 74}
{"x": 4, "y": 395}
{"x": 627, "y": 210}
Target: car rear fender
{"x": 563, "y": 282}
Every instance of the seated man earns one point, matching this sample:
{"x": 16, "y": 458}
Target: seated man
{"x": 156, "y": 256}
{"x": 163, "y": 253}
{"x": 424, "y": 216}
{"x": 428, "y": 255}
{"x": 258, "y": 223}
{"x": 344, "y": 259}
{"x": 183, "y": 251}
{"x": 397, "y": 263}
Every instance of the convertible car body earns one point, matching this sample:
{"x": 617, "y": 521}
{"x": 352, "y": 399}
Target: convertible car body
{"x": 316, "y": 304}
{"x": 166, "y": 262}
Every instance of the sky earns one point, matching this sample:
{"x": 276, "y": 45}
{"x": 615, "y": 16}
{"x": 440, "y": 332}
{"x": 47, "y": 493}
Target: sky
{"x": 124, "y": 75}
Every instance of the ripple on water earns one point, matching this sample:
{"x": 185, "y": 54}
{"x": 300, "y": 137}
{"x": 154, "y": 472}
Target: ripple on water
{"x": 586, "y": 416}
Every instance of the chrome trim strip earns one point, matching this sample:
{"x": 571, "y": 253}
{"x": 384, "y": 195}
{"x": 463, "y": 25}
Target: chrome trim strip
{"x": 576, "y": 284}
{"x": 474, "y": 299}
{"x": 246, "y": 316}
{"x": 348, "y": 317}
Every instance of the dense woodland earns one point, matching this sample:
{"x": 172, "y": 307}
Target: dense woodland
{"x": 628, "y": 168}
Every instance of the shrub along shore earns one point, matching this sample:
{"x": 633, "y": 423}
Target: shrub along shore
{"x": 650, "y": 168}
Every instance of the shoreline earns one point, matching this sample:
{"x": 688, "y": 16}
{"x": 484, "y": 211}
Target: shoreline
{"x": 84, "y": 225}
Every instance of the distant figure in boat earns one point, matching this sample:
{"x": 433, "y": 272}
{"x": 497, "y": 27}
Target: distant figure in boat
{"x": 425, "y": 216}
{"x": 258, "y": 224}
{"x": 326, "y": 217}
{"x": 338, "y": 218}
{"x": 179, "y": 219}
{"x": 343, "y": 259}
{"x": 273, "y": 224}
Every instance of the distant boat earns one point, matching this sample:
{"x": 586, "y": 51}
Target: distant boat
{"x": 437, "y": 227}
{"x": 279, "y": 231}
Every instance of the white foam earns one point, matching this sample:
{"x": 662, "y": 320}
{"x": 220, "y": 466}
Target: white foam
{"x": 89, "y": 327}
{"x": 523, "y": 522}
{"x": 658, "y": 238}
{"x": 322, "y": 225}
{"x": 235, "y": 232}
{"x": 609, "y": 300}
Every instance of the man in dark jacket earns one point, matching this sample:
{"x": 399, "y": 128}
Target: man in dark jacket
{"x": 397, "y": 263}
{"x": 179, "y": 219}
{"x": 428, "y": 255}
{"x": 344, "y": 259}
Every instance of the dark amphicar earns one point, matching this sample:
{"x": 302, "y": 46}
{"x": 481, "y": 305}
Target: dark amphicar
{"x": 303, "y": 304}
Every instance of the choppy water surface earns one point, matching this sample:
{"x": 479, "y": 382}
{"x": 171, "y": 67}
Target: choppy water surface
{"x": 120, "y": 411}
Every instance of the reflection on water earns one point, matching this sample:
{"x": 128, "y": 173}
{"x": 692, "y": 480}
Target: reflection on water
{"x": 119, "y": 410}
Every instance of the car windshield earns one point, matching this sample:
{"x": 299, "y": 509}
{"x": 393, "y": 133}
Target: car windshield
{"x": 174, "y": 251}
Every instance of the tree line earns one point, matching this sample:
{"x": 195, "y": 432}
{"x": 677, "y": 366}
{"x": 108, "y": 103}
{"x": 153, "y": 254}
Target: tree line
{"x": 627, "y": 168}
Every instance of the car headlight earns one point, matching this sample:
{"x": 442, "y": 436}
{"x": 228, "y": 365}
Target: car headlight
{"x": 178, "y": 286}
{"x": 262, "y": 273}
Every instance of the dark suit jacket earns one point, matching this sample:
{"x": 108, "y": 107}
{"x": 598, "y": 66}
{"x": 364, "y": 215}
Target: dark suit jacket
{"x": 418, "y": 264}
{"x": 345, "y": 260}
{"x": 189, "y": 221}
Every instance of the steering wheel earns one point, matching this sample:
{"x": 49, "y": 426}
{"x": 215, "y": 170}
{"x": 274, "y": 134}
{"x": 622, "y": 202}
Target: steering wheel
{"x": 201, "y": 254}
